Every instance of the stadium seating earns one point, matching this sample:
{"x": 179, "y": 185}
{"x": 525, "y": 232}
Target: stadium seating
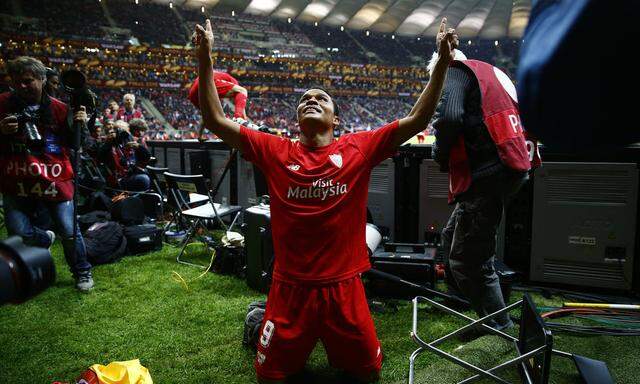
{"x": 373, "y": 77}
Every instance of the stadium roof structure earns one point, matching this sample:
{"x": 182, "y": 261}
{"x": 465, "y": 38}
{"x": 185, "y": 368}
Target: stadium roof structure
{"x": 486, "y": 19}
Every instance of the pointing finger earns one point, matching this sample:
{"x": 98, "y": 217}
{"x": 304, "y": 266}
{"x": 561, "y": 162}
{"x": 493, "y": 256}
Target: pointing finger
{"x": 443, "y": 25}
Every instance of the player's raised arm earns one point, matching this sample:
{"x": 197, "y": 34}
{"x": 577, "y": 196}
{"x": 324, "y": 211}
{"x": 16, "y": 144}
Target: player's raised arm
{"x": 210, "y": 106}
{"x": 418, "y": 119}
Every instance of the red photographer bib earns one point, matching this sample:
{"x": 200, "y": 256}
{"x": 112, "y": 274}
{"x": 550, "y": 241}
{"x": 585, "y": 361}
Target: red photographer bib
{"x": 45, "y": 174}
{"x": 502, "y": 119}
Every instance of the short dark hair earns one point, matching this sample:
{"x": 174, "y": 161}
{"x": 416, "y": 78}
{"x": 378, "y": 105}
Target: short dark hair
{"x": 336, "y": 108}
{"x": 51, "y": 72}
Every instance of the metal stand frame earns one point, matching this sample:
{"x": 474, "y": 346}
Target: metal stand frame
{"x": 480, "y": 323}
{"x": 199, "y": 221}
{"x": 191, "y": 232}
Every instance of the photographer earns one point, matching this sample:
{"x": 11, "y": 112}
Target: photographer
{"x": 52, "y": 85}
{"x": 126, "y": 159}
{"x": 129, "y": 111}
{"x": 138, "y": 129}
{"x": 35, "y": 167}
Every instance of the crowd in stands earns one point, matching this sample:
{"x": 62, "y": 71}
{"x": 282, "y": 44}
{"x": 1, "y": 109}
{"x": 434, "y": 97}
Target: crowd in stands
{"x": 175, "y": 108}
{"x": 83, "y": 20}
{"x": 241, "y": 34}
{"x": 275, "y": 111}
{"x": 386, "y": 48}
{"x": 135, "y": 64}
{"x": 337, "y": 44}
{"x": 374, "y": 78}
{"x": 251, "y": 35}
{"x": 149, "y": 22}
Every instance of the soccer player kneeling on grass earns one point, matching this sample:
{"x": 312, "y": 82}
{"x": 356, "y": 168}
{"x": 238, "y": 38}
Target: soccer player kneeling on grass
{"x": 318, "y": 189}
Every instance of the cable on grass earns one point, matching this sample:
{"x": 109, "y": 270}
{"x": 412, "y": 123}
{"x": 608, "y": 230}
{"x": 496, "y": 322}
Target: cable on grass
{"x": 185, "y": 283}
{"x": 619, "y": 322}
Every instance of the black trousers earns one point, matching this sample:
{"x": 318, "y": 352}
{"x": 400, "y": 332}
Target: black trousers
{"x": 469, "y": 242}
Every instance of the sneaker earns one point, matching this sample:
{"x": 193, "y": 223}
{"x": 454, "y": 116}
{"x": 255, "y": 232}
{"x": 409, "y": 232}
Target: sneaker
{"x": 240, "y": 120}
{"x": 52, "y": 238}
{"x": 84, "y": 282}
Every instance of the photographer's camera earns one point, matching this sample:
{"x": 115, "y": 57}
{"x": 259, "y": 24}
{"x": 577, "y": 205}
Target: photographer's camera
{"x": 28, "y": 125}
{"x": 24, "y": 271}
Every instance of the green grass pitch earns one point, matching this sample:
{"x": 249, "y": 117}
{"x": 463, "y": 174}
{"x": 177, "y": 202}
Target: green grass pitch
{"x": 137, "y": 310}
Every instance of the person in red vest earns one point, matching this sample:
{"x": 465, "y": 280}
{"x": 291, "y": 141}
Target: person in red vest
{"x": 129, "y": 110}
{"x": 36, "y": 175}
{"x": 125, "y": 157}
{"x": 318, "y": 189}
{"x": 480, "y": 142}
{"x": 227, "y": 87}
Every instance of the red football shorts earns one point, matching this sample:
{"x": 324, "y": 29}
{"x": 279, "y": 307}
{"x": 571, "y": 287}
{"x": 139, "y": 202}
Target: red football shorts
{"x": 222, "y": 86}
{"x": 298, "y": 315}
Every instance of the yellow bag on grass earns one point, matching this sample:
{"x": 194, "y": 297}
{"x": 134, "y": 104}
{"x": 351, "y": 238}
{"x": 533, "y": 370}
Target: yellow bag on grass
{"x": 122, "y": 372}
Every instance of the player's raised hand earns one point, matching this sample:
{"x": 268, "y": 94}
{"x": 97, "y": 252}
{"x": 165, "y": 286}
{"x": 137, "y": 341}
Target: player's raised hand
{"x": 203, "y": 39}
{"x": 447, "y": 41}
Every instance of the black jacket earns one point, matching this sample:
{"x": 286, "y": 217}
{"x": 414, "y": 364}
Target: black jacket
{"x": 141, "y": 153}
{"x": 460, "y": 113}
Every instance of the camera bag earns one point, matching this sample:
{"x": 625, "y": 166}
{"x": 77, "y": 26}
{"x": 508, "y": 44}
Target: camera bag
{"x": 128, "y": 211}
{"x": 105, "y": 242}
{"x": 143, "y": 238}
{"x": 153, "y": 205}
{"x": 88, "y": 219}
{"x": 98, "y": 201}
{"x": 230, "y": 261}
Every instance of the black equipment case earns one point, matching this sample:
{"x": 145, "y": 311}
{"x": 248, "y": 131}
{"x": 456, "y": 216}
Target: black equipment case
{"x": 411, "y": 262}
{"x": 259, "y": 246}
{"x": 143, "y": 238}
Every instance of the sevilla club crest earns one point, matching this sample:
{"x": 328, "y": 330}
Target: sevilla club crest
{"x": 336, "y": 159}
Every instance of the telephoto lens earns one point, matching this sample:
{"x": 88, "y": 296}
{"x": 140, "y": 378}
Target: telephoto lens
{"x": 24, "y": 271}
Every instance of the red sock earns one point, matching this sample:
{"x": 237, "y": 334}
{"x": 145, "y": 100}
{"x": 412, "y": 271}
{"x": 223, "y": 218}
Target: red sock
{"x": 240, "y": 102}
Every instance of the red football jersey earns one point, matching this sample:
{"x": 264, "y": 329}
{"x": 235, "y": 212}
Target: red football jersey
{"x": 223, "y": 81}
{"x": 318, "y": 201}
